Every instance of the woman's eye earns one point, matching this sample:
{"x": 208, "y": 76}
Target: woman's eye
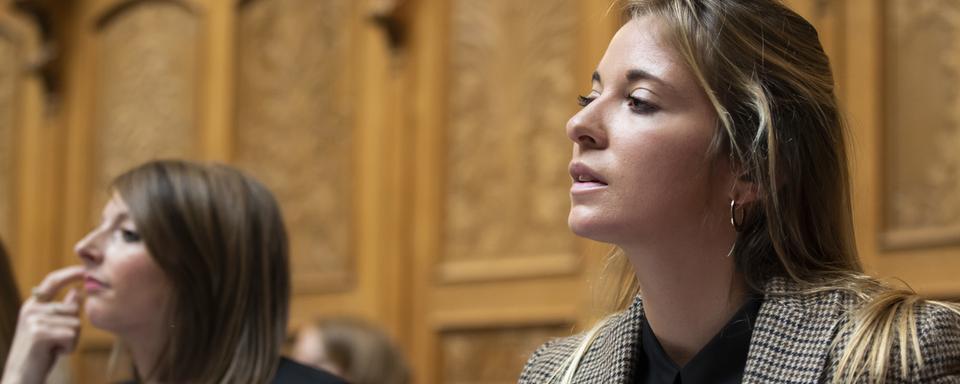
{"x": 584, "y": 100}
{"x": 129, "y": 236}
{"x": 641, "y": 106}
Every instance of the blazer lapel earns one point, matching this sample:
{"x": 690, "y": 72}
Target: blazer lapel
{"x": 791, "y": 341}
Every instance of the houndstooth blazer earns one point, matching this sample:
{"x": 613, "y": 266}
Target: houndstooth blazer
{"x": 790, "y": 344}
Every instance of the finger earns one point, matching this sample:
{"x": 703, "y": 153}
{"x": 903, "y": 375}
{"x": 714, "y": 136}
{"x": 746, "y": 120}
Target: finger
{"x": 56, "y": 322}
{"x": 73, "y": 298}
{"x": 62, "y": 340}
{"x": 56, "y": 280}
{"x": 51, "y": 309}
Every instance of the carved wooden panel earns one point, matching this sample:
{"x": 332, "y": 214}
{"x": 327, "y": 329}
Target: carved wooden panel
{"x": 921, "y": 165}
{"x": 9, "y": 70}
{"x": 491, "y": 356}
{"x": 511, "y": 86}
{"x": 146, "y": 89}
{"x": 295, "y": 127}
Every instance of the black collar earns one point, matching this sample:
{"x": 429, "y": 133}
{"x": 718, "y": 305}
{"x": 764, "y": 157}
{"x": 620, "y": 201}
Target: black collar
{"x": 722, "y": 360}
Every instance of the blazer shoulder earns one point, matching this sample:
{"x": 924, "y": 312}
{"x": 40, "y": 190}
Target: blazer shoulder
{"x": 549, "y": 360}
{"x": 548, "y": 363}
{"x": 938, "y": 336}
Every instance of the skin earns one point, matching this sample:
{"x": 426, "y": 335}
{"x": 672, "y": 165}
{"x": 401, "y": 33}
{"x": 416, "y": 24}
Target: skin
{"x": 643, "y": 180}
{"x": 125, "y": 293}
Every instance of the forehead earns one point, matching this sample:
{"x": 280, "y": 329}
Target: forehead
{"x": 115, "y": 207}
{"x": 640, "y": 44}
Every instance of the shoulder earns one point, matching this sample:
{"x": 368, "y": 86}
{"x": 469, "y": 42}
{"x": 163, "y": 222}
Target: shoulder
{"x": 938, "y": 336}
{"x": 549, "y": 362}
{"x": 934, "y": 326}
{"x": 291, "y": 372}
{"x": 549, "y": 359}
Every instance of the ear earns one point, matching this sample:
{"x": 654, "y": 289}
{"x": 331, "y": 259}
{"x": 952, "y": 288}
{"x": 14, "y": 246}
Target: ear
{"x": 744, "y": 191}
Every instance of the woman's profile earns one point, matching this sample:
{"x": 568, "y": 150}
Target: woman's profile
{"x": 711, "y": 151}
{"x": 188, "y": 269}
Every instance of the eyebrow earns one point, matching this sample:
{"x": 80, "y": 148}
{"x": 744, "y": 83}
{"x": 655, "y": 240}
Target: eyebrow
{"x": 639, "y": 74}
{"x": 632, "y": 75}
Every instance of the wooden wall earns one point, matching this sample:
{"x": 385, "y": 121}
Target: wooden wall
{"x": 418, "y": 151}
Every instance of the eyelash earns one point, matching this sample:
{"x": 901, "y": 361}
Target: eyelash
{"x": 129, "y": 236}
{"x": 584, "y": 100}
{"x": 636, "y": 105}
{"x": 641, "y": 106}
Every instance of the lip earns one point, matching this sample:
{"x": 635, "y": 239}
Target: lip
{"x": 579, "y": 171}
{"x": 93, "y": 285}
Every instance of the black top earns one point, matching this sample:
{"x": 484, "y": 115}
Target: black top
{"x": 291, "y": 372}
{"x": 721, "y": 361}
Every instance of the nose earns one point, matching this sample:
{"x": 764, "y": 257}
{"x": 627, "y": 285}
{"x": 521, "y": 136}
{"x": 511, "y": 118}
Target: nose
{"x": 89, "y": 249}
{"x": 585, "y": 128}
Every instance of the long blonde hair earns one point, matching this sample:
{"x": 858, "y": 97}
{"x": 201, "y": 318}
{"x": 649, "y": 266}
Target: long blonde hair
{"x": 770, "y": 83}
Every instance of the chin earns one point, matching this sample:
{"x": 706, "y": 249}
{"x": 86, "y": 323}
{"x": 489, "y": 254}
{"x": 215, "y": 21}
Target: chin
{"x": 587, "y": 226}
{"x": 98, "y": 314}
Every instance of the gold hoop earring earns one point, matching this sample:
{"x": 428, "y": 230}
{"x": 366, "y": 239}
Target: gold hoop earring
{"x": 737, "y": 225}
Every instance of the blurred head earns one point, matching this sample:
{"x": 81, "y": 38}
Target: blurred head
{"x": 199, "y": 251}
{"x": 354, "y": 350}
{"x": 9, "y": 305}
{"x": 775, "y": 127}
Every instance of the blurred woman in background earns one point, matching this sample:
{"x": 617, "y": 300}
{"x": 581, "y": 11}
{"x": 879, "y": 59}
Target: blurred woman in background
{"x": 353, "y": 350}
{"x": 711, "y": 151}
{"x": 9, "y": 305}
{"x": 188, "y": 268}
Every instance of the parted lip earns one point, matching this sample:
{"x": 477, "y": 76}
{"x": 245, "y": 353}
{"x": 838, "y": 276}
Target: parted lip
{"x": 91, "y": 279}
{"x": 580, "y": 172}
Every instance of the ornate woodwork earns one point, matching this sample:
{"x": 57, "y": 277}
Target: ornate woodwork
{"x": 147, "y": 70}
{"x": 511, "y": 88}
{"x": 921, "y": 162}
{"x": 295, "y": 127}
{"x": 491, "y": 356}
{"x": 9, "y": 71}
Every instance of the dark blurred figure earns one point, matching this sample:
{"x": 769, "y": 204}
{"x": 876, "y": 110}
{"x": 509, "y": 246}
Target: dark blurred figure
{"x": 9, "y": 305}
{"x": 352, "y": 349}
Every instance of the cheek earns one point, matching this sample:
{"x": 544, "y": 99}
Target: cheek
{"x": 138, "y": 293}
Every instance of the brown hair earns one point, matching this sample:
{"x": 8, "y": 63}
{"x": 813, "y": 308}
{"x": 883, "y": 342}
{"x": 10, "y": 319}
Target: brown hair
{"x": 9, "y": 305}
{"x": 364, "y": 354}
{"x": 770, "y": 83}
{"x": 219, "y": 237}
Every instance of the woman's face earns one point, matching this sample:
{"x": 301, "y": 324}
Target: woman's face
{"x": 125, "y": 289}
{"x": 640, "y": 162}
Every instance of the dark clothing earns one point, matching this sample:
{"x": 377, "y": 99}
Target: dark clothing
{"x": 291, "y": 372}
{"x": 721, "y": 361}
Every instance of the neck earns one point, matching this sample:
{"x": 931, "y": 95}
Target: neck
{"x": 689, "y": 294}
{"x": 145, "y": 348}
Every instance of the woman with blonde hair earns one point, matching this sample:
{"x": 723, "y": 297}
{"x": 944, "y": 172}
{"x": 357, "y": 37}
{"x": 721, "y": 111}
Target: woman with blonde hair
{"x": 711, "y": 152}
{"x": 188, "y": 268}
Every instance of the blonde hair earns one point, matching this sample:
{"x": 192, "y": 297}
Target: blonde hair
{"x": 769, "y": 81}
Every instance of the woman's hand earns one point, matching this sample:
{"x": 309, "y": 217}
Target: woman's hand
{"x": 45, "y": 329}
